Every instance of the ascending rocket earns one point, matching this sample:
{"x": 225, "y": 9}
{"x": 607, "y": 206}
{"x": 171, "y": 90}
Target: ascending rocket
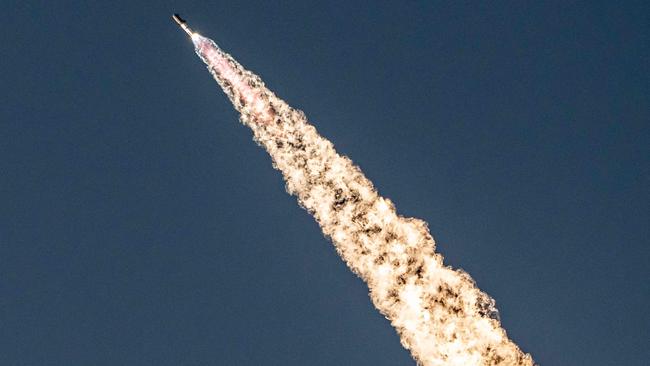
{"x": 183, "y": 24}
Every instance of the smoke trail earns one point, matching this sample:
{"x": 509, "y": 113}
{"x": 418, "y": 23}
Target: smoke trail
{"x": 439, "y": 313}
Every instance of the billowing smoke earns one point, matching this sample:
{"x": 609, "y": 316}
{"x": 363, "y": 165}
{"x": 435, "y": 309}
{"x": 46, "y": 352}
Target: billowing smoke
{"x": 439, "y": 313}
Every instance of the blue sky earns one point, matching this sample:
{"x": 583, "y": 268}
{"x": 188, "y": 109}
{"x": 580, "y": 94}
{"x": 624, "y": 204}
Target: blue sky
{"x": 141, "y": 225}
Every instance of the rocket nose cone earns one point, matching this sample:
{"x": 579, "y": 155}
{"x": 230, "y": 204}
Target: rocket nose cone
{"x": 178, "y": 19}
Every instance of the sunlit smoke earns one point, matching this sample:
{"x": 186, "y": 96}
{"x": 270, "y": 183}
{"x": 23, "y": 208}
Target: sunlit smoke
{"x": 439, "y": 313}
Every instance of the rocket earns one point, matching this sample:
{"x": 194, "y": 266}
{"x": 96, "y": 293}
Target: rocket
{"x": 183, "y": 24}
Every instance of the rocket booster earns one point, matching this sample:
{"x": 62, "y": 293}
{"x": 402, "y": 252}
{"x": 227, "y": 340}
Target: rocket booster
{"x": 183, "y": 24}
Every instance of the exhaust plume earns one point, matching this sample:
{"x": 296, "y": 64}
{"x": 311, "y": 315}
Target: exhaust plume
{"x": 441, "y": 316}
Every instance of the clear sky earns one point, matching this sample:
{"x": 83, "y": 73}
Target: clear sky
{"x": 140, "y": 224}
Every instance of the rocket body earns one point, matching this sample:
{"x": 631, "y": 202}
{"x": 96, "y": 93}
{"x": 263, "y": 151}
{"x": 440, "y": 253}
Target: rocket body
{"x": 183, "y": 24}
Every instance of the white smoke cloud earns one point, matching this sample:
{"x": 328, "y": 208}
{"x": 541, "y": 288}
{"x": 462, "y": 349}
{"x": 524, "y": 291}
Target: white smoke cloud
{"x": 439, "y": 313}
